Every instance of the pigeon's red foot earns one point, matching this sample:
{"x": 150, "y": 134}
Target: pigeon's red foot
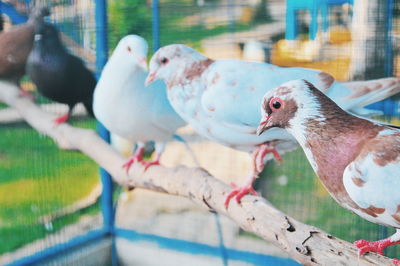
{"x": 261, "y": 152}
{"x": 61, "y": 119}
{"x": 137, "y": 157}
{"x": 239, "y": 191}
{"x": 377, "y": 246}
{"x": 396, "y": 262}
{"x": 27, "y": 94}
{"x": 147, "y": 164}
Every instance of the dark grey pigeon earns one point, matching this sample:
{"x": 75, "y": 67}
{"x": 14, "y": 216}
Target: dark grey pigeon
{"x": 57, "y": 74}
{"x": 1, "y": 22}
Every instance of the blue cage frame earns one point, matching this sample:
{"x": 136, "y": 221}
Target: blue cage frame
{"x": 109, "y": 229}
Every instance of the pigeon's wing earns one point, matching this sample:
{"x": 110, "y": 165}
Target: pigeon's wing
{"x": 233, "y": 89}
{"x": 15, "y": 46}
{"x": 372, "y": 179}
{"x": 82, "y": 82}
{"x": 83, "y": 77}
{"x": 356, "y": 94}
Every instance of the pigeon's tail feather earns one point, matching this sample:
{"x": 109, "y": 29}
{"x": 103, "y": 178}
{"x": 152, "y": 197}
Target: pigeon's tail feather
{"x": 365, "y": 112}
{"x": 188, "y": 148}
{"x": 88, "y": 103}
{"x": 367, "y": 92}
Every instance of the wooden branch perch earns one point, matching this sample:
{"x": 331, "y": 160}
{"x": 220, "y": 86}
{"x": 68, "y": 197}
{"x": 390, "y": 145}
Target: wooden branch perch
{"x": 306, "y": 244}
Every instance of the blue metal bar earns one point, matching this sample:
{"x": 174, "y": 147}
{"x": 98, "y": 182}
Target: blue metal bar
{"x": 387, "y": 105}
{"x": 224, "y": 255}
{"x": 156, "y": 25}
{"x": 389, "y": 40}
{"x": 12, "y": 13}
{"x": 203, "y": 249}
{"x": 107, "y": 205}
{"x": 101, "y": 34}
{"x": 48, "y": 253}
{"x": 101, "y": 59}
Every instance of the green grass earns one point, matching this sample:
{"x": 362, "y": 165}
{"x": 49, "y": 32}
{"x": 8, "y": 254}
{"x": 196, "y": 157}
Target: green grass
{"x": 305, "y": 199}
{"x": 37, "y": 178}
{"x": 195, "y": 34}
{"x": 173, "y": 26}
{"x": 174, "y": 30}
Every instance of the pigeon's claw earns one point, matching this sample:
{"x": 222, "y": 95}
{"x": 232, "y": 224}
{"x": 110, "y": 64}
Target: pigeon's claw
{"x": 365, "y": 246}
{"x": 137, "y": 157}
{"x": 147, "y": 164}
{"x": 396, "y": 262}
{"x": 260, "y": 153}
{"x": 127, "y": 165}
{"x": 377, "y": 246}
{"x": 155, "y": 162}
{"x": 239, "y": 192}
{"x": 61, "y": 119}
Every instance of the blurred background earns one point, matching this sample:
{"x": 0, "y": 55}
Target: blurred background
{"x": 51, "y": 198}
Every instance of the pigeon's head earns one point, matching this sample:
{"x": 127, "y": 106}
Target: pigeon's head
{"x": 133, "y": 48}
{"x": 171, "y": 60}
{"x": 47, "y": 34}
{"x": 281, "y": 105}
{"x": 38, "y": 13}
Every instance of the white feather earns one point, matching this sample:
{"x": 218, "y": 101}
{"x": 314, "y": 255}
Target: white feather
{"x": 125, "y": 106}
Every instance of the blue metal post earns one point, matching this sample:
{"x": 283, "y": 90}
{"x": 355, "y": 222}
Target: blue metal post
{"x": 383, "y": 230}
{"x": 389, "y": 42}
{"x": 107, "y": 205}
{"x": 12, "y": 13}
{"x": 101, "y": 34}
{"x": 156, "y": 25}
{"x": 101, "y": 59}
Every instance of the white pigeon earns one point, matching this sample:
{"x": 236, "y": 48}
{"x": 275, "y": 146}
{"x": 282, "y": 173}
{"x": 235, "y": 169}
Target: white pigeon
{"x": 357, "y": 160}
{"x": 123, "y": 104}
{"x": 220, "y": 99}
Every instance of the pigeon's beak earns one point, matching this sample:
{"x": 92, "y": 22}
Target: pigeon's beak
{"x": 263, "y": 125}
{"x": 150, "y": 78}
{"x": 143, "y": 63}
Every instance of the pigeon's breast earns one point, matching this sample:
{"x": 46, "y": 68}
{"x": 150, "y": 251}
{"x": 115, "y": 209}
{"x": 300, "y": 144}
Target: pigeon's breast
{"x": 372, "y": 179}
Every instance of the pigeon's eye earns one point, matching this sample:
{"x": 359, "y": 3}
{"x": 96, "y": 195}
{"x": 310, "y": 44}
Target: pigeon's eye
{"x": 275, "y": 103}
{"x": 129, "y": 49}
{"x": 164, "y": 60}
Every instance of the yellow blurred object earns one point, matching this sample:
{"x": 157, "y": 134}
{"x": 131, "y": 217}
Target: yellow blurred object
{"x": 339, "y": 35}
{"x": 28, "y": 86}
{"x": 300, "y": 51}
{"x": 320, "y": 190}
{"x": 395, "y": 121}
{"x": 338, "y": 67}
{"x": 247, "y": 14}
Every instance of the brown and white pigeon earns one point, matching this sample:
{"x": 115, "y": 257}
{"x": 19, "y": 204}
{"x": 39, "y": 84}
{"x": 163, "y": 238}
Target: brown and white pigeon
{"x": 16, "y": 44}
{"x": 220, "y": 100}
{"x": 357, "y": 160}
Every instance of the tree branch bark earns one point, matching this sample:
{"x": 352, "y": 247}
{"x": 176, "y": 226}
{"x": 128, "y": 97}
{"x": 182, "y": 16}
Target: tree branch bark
{"x": 306, "y": 244}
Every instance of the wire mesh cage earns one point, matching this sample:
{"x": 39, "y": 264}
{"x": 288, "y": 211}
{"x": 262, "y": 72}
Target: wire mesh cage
{"x": 49, "y": 196}
{"x": 43, "y": 189}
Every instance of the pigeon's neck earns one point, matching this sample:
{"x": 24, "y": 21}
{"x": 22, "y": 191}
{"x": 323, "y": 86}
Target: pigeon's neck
{"x": 51, "y": 46}
{"x": 127, "y": 66}
{"x": 331, "y": 139}
{"x": 122, "y": 73}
